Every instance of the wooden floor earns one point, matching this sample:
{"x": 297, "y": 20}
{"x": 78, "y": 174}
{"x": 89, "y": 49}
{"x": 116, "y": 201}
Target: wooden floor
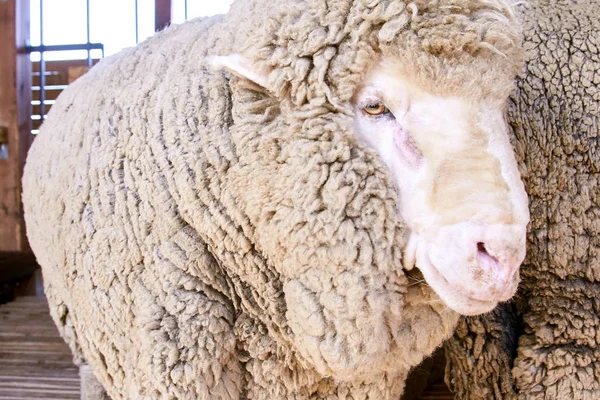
{"x": 35, "y": 363}
{"x": 437, "y": 391}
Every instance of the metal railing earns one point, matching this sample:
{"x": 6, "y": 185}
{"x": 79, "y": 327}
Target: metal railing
{"x": 42, "y": 48}
{"x": 87, "y": 46}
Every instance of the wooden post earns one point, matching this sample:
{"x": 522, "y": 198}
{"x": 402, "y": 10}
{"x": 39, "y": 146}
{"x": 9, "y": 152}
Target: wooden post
{"x": 15, "y": 116}
{"x": 162, "y": 14}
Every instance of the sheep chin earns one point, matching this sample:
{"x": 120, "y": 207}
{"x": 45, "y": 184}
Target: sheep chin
{"x": 409, "y": 258}
{"x": 450, "y": 295}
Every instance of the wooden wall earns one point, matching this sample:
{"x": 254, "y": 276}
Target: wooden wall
{"x": 162, "y": 14}
{"x": 15, "y": 111}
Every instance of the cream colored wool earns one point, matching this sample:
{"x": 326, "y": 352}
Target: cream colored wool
{"x": 547, "y": 344}
{"x": 202, "y": 237}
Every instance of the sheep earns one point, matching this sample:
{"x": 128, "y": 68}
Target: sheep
{"x": 546, "y": 344}
{"x": 215, "y": 220}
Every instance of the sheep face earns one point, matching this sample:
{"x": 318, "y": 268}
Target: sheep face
{"x": 459, "y": 188}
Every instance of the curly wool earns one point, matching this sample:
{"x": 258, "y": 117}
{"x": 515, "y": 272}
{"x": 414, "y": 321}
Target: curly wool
{"x": 201, "y": 237}
{"x": 554, "y": 115}
{"x": 319, "y": 51}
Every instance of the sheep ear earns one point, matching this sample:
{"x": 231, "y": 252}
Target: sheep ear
{"x": 242, "y": 68}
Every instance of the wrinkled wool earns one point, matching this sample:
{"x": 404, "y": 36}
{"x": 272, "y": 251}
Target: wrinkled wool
{"x": 554, "y": 115}
{"x": 201, "y": 237}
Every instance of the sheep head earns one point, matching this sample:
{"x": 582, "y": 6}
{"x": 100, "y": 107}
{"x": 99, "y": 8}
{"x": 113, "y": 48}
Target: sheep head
{"x": 460, "y": 190}
{"x": 444, "y": 71}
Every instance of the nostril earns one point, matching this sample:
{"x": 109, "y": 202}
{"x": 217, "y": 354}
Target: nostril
{"x": 481, "y": 248}
{"x": 485, "y": 256}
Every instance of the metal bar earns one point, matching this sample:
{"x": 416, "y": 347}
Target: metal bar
{"x": 137, "y": 23}
{"x": 65, "y": 47}
{"x": 89, "y": 53}
{"x": 185, "y": 10}
{"x": 42, "y": 65}
{"x": 50, "y": 87}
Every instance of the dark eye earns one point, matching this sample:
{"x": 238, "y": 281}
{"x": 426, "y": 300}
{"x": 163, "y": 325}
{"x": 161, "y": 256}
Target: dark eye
{"x": 376, "y": 109}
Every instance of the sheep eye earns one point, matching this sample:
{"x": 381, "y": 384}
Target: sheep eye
{"x": 375, "y": 109}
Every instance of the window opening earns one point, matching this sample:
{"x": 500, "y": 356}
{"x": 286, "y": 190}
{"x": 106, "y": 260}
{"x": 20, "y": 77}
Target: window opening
{"x": 59, "y": 44}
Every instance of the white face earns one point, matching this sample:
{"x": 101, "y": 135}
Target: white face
{"x": 460, "y": 191}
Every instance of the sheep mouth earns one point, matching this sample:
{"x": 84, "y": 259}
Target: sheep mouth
{"x": 451, "y": 295}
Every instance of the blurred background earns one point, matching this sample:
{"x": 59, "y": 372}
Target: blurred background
{"x": 73, "y": 34}
{"x": 44, "y": 46}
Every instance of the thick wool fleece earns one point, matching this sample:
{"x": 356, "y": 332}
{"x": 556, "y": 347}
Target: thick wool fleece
{"x": 202, "y": 237}
{"x": 556, "y": 318}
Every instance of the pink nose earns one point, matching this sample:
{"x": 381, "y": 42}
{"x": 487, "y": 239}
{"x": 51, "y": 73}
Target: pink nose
{"x": 501, "y": 263}
{"x": 479, "y": 259}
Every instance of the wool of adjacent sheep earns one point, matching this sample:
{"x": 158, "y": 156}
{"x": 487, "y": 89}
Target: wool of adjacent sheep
{"x": 202, "y": 237}
{"x": 547, "y": 344}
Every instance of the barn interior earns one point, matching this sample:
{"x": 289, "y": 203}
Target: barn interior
{"x": 44, "y": 46}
